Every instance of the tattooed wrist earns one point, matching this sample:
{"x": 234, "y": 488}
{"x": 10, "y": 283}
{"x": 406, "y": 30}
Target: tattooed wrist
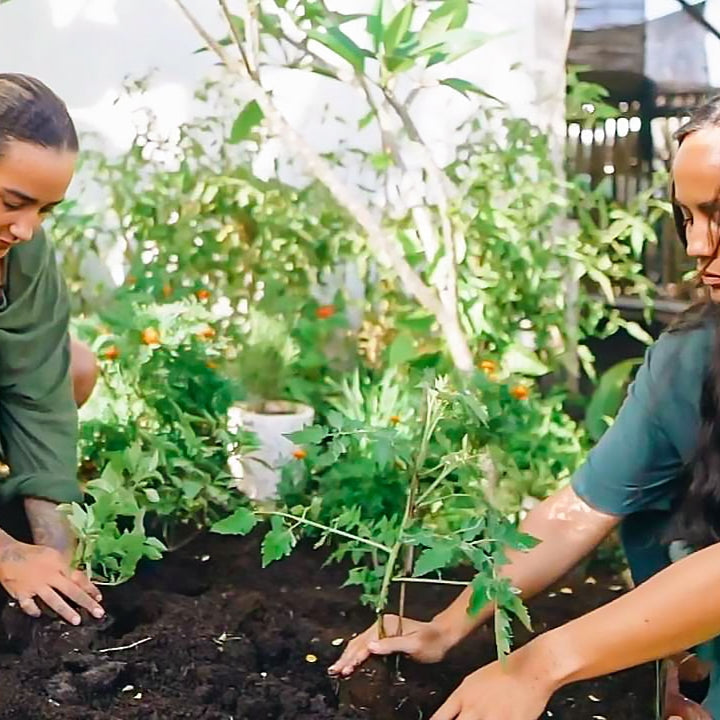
{"x": 49, "y": 527}
{"x": 10, "y": 549}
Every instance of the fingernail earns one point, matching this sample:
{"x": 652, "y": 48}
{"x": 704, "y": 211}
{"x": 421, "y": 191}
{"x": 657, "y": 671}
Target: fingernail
{"x": 98, "y": 612}
{"x": 76, "y": 620}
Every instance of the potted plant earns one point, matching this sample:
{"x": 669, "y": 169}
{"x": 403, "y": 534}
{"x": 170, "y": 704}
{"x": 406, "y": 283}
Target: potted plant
{"x": 264, "y": 369}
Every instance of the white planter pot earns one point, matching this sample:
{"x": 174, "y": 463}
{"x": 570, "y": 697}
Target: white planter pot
{"x": 257, "y": 474}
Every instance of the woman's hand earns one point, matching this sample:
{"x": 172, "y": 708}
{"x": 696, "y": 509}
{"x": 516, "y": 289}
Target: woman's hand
{"x": 30, "y": 572}
{"x": 424, "y": 642}
{"x": 678, "y": 707}
{"x": 497, "y": 692}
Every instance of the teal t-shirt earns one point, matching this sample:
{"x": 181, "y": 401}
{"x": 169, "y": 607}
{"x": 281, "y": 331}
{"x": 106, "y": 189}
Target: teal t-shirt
{"x": 635, "y": 471}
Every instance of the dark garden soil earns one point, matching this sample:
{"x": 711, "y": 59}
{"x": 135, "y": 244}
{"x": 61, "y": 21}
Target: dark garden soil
{"x": 226, "y": 639}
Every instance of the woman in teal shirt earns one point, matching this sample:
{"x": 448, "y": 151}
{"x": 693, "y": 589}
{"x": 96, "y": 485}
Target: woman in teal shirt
{"x": 656, "y": 475}
{"x": 42, "y": 375}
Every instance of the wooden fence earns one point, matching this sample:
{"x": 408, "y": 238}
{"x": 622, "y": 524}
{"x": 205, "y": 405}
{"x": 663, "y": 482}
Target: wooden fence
{"x": 624, "y": 152}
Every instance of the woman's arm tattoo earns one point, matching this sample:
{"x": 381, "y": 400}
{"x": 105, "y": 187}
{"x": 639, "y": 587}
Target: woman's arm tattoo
{"x": 49, "y": 527}
{"x": 10, "y": 549}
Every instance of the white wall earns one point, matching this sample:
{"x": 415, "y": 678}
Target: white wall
{"x": 84, "y": 49}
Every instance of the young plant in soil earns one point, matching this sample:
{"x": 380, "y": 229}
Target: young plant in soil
{"x": 440, "y": 464}
{"x": 154, "y": 438}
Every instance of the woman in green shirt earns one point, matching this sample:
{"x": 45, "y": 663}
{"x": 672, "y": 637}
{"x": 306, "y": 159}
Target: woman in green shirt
{"x": 655, "y": 474}
{"x": 41, "y": 378}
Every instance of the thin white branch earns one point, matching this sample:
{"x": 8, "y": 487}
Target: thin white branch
{"x": 125, "y": 647}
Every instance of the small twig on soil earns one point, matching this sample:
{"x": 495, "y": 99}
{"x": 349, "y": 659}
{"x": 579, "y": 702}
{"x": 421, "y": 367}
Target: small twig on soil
{"x": 125, "y": 647}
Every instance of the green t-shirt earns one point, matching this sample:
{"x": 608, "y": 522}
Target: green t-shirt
{"x": 38, "y": 417}
{"x": 635, "y": 469}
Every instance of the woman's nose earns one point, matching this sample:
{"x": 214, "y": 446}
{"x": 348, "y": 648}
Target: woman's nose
{"x": 700, "y": 243}
{"x": 22, "y": 230}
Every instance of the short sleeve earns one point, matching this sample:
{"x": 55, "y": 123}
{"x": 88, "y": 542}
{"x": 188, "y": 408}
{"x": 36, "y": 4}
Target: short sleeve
{"x": 38, "y": 417}
{"x": 637, "y": 463}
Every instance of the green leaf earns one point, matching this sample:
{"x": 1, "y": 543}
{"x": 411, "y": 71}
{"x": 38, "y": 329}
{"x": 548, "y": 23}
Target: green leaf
{"x": 277, "y": 543}
{"x": 637, "y": 239}
{"x": 381, "y": 161}
{"x": 241, "y": 522}
{"x": 402, "y": 350}
{"x": 309, "y": 436}
{"x": 465, "y": 86}
{"x": 375, "y": 25}
{"x": 336, "y": 420}
{"x": 480, "y": 594}
{"x": 336, "y": 40}
{"x": 250, "y": 117}
{"x": 398, "y": 27}
{"x": 451, "y": 15}
{"x": 456, "y": 44}
{"x": 604, "y": 282}
{"x": 399, "y": 63}
{"x": 366, "y": 120}
{"x": 523, "y": 361}
{"x": 382, "y": 451}
{"x": 517, "y": 607}
{"x": 503, "y": 633}
{"x": 608, "y": 396}
{"x": 636, "y": 331}
{"x": 434, "y": 558}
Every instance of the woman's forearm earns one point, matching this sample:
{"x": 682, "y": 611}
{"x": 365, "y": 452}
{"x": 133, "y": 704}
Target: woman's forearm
{"x": 49, "y": 527}
{"x": 568, "y": 529}
{"x": 676, "y": 609}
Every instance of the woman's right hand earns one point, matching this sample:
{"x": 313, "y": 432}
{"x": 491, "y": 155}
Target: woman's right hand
{"x": 35, "y": 572}
{"x": 424, "y": 642}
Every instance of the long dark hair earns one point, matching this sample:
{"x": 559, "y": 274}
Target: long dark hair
{"x": 31, "y": 112}
{"x": 697, "y": 517}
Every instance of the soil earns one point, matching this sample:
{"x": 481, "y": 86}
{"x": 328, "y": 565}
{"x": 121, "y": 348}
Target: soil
{"x": 219, "y": 638}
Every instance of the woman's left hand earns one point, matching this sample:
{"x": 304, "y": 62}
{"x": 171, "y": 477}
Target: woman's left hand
{"x": 497, "y": 692}
{"x": 678, "y": 707}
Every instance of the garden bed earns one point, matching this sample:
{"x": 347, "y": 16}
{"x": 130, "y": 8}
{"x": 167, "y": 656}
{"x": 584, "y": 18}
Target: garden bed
{"x": 229, "y": 640}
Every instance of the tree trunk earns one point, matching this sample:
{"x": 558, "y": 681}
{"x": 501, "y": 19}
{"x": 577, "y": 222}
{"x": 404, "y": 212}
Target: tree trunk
{"x": 554, "y": 21}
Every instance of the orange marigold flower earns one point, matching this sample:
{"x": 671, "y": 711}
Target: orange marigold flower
{"x": 207, "y": 333}
{"x": 150, "y": 336}
{"x": 111, "y": 353}
{"x": 299, "y": 454}
{"x": 202, "y": 294}
{"x": 520, "y": 392}
{"x": 394, "y": 419}
{"x": 167, "y": 290}
{"x": 488, "y": 366}
{"x": 210, "y": 365}
{"x": 325, "y": 311}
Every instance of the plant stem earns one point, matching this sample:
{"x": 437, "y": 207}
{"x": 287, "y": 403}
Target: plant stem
{"x": 430, "y": 420}
{"x": 326, "y": 528}
{"x": 430, "y": 581}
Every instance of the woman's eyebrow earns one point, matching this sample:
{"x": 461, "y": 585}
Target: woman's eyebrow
{"x": 20, "y": 195}
{"x": 711, "y": 206}
{"x": 29, "y": 199}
